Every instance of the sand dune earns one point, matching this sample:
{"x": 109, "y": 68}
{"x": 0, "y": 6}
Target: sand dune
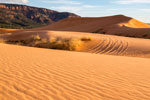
{"x": 100, "y": 44}
{"x": 114, "y": 25}
{"x": 29, "y": 73}
{"x": 43, "y": 74}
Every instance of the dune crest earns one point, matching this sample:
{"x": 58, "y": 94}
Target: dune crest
{"x": 133, "y": 23}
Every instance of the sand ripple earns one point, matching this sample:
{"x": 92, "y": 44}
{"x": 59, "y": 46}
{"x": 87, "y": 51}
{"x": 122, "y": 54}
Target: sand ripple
{"x": 39, "y": 74}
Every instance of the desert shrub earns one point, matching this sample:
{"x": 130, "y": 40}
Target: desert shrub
{"x": 58, "y": 45}
{"x": 52, "y": 40}
{"x": 36, "y": 37}
{"x": 27, "y": 42}
{"x": 74, "y": 44}
{"x": 44, "y": 40}
{"x": 31, "y": 41}
{"x": 89, "y": 38}
{"x": 64, "y": 44}
{"x": 52, "y": 43}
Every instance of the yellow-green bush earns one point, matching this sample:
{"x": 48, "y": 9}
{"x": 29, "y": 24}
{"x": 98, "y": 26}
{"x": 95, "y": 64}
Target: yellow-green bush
{"x": 52, "y": 43}
{"x": 36, "y": 37}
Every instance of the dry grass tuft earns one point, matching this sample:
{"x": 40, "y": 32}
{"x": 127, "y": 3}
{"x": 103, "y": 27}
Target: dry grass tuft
{"x": 52, "y": 43}
{"x": 36, "y": 37}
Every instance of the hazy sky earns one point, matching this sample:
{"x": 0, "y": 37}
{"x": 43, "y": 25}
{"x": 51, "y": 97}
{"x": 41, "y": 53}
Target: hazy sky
{"x": 138, "y": 9}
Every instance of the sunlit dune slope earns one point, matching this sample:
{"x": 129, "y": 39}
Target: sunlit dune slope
{"x": 116, "y": 25}
{"x": 100, "y": 44}
{"x": 43, "y": 74}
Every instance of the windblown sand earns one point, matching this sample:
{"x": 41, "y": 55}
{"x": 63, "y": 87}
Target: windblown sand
{"x": 43, "y": 74}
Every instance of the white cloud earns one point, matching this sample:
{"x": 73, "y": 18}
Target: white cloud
{"x": 132, "y": 1}
{"x": 90, "y": 6}
{"x": 14, "y": 1}
{"x": 145, "y": 10}
{"x": 66, "y": 8}
{"x": 74, "y": 9}
{"x": 63, "y": 2}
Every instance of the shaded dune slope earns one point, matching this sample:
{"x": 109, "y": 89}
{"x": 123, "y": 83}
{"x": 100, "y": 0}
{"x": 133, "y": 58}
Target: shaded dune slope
{"x": 115, "y": 25}
{"x": 63, "y": 75}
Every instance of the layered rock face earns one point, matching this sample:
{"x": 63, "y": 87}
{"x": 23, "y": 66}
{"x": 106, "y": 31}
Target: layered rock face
{"x": 22, "y": 16}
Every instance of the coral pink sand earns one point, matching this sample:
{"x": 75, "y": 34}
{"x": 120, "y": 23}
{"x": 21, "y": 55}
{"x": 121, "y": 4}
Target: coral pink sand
{"x": 42, "y": 74}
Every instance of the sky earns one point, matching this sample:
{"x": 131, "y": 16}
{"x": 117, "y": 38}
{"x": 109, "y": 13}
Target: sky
{"x": 138, "y": 9}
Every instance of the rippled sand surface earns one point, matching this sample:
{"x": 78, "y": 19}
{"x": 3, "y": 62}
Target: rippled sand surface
{"x": 42, "y": 74}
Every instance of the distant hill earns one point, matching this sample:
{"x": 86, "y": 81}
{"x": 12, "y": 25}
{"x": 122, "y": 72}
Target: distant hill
{"x": 22, "y": 16}
{"x": 114, "y": 25}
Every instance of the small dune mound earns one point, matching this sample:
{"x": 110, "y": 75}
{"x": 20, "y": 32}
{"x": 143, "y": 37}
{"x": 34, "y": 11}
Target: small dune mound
{"x": 82, "y": 42}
